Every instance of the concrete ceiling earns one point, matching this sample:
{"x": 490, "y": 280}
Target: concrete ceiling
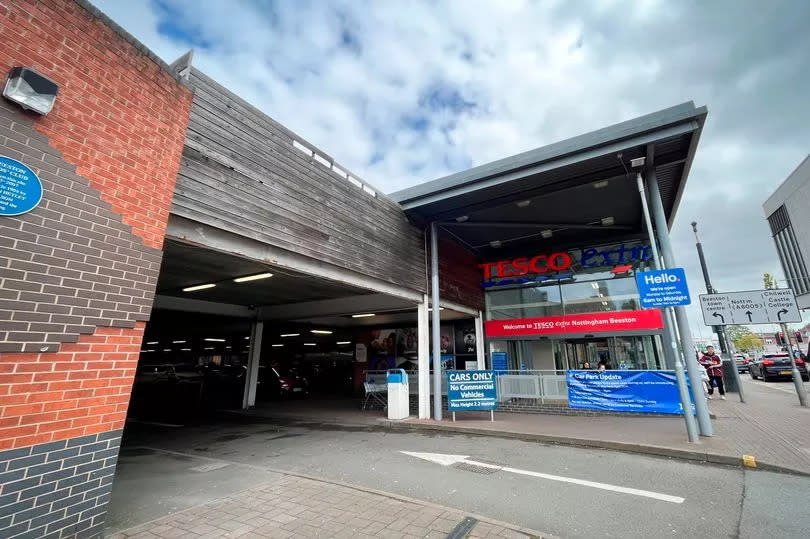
{"x": 186, "y": 265}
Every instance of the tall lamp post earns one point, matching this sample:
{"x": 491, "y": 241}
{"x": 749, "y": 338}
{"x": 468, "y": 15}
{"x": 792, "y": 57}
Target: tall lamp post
{"x": 722, "y": 336}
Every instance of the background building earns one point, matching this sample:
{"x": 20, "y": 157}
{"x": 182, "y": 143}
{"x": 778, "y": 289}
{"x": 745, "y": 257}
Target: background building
{"x": 788, "y": 214}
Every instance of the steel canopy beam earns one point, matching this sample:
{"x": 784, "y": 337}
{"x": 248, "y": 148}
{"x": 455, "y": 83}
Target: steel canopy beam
{"x": 508, "y": 224}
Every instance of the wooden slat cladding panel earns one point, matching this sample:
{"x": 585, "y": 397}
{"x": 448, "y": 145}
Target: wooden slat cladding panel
{"x": 240, "y": 172}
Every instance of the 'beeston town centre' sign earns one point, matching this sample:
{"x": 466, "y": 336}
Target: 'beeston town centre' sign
{"x": 550, "y": 266}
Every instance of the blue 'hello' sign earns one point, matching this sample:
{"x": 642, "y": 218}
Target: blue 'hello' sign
{"x": 20, "y": 188}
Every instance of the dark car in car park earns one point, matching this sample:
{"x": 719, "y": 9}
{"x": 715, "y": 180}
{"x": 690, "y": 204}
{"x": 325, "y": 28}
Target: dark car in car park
{"x": 776, "y": 366}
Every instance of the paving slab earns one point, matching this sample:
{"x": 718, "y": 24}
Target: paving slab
{"x": 222, "y": 517}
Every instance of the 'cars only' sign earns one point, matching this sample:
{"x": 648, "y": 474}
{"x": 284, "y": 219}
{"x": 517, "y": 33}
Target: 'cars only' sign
{"x": 471, "y": 390}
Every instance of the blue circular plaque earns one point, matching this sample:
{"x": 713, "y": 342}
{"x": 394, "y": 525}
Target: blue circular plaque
{"x": 20, "y": 188}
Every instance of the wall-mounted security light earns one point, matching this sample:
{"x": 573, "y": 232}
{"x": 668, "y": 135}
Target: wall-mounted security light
{"x": 30, "y": 90}
{"x": 607, "y": 221}
{"x": 546, "y": 234}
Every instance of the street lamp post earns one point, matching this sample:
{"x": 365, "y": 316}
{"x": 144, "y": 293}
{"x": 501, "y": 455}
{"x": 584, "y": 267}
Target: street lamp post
{"x": 725, "y": 347}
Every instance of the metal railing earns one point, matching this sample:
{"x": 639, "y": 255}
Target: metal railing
{"x": 378, "y": 378}
{"x": 534, "y": 384}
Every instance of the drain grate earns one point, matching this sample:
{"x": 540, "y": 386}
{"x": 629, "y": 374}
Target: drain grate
{"x": 463, "y": 528}
{"x": 466, "y": 466}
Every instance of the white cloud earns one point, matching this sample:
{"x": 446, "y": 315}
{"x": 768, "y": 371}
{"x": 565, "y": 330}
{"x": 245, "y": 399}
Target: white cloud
{"x": 350, "y": 76}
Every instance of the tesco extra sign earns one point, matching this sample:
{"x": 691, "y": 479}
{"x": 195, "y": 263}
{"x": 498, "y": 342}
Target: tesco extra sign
{"x": 559, "y": 261}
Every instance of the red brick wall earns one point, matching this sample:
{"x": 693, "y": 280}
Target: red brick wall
{"x": 82, "y": 389}
{"x": 459, "y": 275}
{"x": 119, "y": 117}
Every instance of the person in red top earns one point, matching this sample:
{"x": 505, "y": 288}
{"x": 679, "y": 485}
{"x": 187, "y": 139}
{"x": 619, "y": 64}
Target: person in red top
{"x": 714, "y": 368}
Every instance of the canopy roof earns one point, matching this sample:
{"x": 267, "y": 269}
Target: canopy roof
{"x": 570, "y": 193}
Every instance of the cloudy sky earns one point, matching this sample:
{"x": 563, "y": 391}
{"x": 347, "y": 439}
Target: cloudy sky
{"x": 405, "y": 92}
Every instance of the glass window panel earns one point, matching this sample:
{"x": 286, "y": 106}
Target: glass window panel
{"x": 600, "y": 295}
{"x": 526, "y": 302}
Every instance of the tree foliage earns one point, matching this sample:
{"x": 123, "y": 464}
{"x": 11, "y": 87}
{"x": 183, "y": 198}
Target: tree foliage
{"x": 749, "y": 343}
{"x": 743, "y": 338}
{"x": 769, "y": 281}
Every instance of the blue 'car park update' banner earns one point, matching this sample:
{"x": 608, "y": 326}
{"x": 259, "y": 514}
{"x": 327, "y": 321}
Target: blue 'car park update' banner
{"x": 653, "y": 392}
{"x": 471, "y": 390}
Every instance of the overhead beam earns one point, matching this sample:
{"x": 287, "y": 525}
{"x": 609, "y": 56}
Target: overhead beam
{"x": 504, "y": 224}
{"x": 364, "y": 303}
{"x": 196, "y": 233}
{"x": 174, "y": 303}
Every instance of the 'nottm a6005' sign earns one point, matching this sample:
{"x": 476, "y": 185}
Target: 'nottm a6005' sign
{"x": 547, "y": 266}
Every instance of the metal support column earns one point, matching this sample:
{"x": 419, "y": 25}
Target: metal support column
{"x": 436, "y": 322}
{"x": 797, "y": 378}
{"x": 683, "y": 392}
{"x": 479, "y": 342}
{"x": 252, "y": 374}
{"x": 681, "y": 318}
{"x": 423, "y": 358}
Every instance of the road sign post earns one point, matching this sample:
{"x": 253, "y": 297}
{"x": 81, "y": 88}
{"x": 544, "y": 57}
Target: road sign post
{"x": 771, "y": 306}
{"x": 797, "y": 378}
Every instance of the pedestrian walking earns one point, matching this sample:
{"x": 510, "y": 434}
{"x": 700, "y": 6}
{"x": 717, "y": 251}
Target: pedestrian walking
{"x": 714, "y": 368}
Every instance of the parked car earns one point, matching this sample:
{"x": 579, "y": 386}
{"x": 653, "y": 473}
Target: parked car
{"x": 776, "y": 366}
{"x": 280, "y": 382}
{"x": 742, "y": 362}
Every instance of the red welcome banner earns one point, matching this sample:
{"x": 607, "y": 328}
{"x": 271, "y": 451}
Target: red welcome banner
{"x": 576, "y": 323}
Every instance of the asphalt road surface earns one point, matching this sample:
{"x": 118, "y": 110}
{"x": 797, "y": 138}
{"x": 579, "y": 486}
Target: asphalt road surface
{"x": 569, "y": 492}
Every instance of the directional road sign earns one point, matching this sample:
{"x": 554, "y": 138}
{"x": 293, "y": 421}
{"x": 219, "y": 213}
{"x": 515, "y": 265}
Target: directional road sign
{"x": 750, "y": 307}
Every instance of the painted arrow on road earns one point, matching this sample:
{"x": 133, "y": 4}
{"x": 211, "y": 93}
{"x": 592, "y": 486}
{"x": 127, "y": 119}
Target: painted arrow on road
{"x": 720, "y": 316}
{"x": 449, "y": 460}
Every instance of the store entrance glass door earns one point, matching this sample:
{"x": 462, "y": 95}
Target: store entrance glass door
{"x": 625, "y": 352}
{"x": 592, "y": 351}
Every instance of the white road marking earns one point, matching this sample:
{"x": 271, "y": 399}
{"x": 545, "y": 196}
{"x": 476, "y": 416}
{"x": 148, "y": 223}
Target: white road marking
{"x": 448, "y": 460}
{"x": 769, "y": 385}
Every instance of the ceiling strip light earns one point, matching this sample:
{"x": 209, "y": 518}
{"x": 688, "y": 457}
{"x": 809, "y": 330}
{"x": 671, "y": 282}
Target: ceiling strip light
{"x": 310, "y": 344}
{"x": 290, "y": 334}
{"x": 344, "y": 342}
{"x": 198, "y": 287}
{"x": 211, "y": 339}
{"x": 252, "y": 277}
{"x": 276, "y": 345}
{"x": 178, "y": 342}
{"x": 364, "y": 315}
{"x": 320, "y": 331}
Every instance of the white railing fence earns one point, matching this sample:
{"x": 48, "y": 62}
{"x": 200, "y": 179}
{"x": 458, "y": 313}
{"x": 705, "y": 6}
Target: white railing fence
{"x": 535, "y": 384}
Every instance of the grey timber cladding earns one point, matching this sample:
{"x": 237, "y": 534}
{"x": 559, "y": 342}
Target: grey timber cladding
{"x": 71, "y": 264}
{"x": 58, "y": 489}
{"x": 240, "y": 172}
